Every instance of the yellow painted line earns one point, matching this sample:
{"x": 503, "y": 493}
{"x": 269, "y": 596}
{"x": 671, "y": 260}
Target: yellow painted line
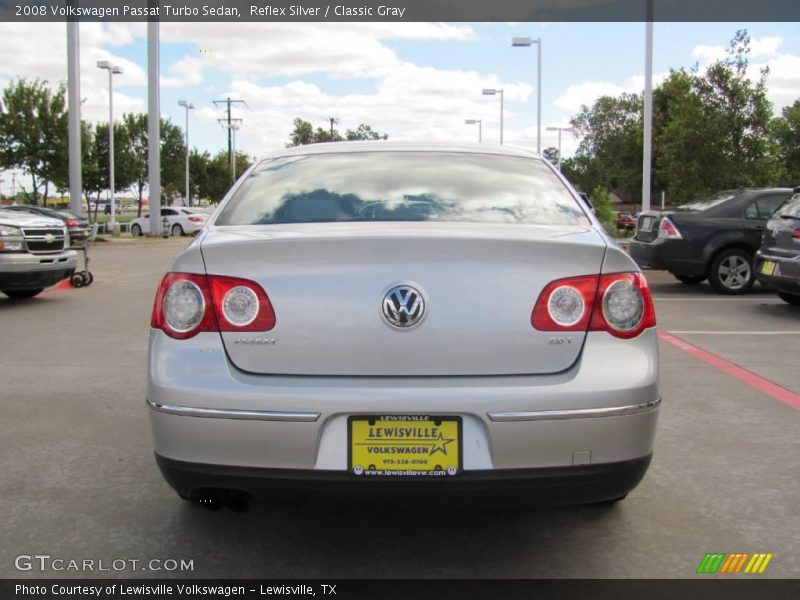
{"x": 765, "y": 563}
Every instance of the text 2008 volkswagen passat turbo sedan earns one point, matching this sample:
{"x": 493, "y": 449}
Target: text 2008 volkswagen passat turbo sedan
{"x": 379, "y": 316}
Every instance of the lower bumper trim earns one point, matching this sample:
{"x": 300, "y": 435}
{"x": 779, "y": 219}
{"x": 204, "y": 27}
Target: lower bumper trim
{"x": 578, "y": 413}
{"x": 227, "y": 413}
{"x": 538, "y": 486}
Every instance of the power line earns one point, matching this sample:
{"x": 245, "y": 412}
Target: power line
{"x": 228, "y": 101}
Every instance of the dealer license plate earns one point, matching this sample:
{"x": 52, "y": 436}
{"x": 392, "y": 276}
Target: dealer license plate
{"x": 404, "y": 445}
{"x": 768, "y": 267}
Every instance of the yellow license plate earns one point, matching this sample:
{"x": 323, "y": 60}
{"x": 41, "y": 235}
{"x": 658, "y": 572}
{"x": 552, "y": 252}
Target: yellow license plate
{"x": 404, "y": 445}
{"x": 768, "y": 267}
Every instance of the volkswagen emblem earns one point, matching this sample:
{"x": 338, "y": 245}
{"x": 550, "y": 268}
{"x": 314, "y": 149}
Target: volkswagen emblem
{"x": 403, "y": 306}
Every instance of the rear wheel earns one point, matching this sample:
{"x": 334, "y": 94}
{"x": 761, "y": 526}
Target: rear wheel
{"x": 690, "y": 279}
{"x": 22, "y": 293}
{"x": 136, "y": 231}
{"x": 732, "y": 271}
{"x": 177, "y": 230}
{"x": 793, "y": 299}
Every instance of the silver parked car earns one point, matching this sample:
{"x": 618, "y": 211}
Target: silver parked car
{"x": 382, "y": 316}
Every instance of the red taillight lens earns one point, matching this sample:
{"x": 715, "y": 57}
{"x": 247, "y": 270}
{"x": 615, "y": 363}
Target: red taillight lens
{"x": 623, "y": 306}
{"x": 565, "y": 304}
{"x": 668, "y": 230}
{"x": 241, "y": 305}
{"x": 796, "y": 236}
{"x": 196, "y": 219}
{"x": 618, "y": 303}
{"x": 187, "y": 304}
{"x": 71, "y": 223}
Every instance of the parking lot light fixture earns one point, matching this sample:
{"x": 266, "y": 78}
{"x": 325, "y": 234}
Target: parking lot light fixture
{"x": 526, "y": 42}
{"x": 188, "y": 106}
{"x": 492, "y": 92}
{"x": 560, "y": 130}
{"x": 480, "y": 127}
{"x": 112, "y": 70}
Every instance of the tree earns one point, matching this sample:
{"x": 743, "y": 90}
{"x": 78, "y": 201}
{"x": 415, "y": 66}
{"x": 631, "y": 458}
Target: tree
{"x": 713, "y": 128}
{"x": 551, "y": 154}
{"x": 611, "y": 144}
{"x": 134, "y": 169}
{"x": 786, "y": 131}
{"x": 601, "y": 201}
{"x": 304, "y": 133}
{"x": 33, "y": 132}
{"x": 365, "y": 132}
{"x": 210, "y": 177}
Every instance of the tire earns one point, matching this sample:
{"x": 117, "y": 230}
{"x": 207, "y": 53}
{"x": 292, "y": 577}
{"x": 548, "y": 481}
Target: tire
{"x": 731, "y": 272}
{"x": 136, "y": 231}
{"x": 690, "y": 279}
{"x": 177, "y": 230}
{"x": 793, "y": 299}
{"x": 21, "y": 294}
{"x": 77, "y": 280}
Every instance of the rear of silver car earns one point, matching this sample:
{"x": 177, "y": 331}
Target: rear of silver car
{"x": 393, "y": 318}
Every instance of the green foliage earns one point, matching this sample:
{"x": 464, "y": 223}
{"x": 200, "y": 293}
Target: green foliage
{"x": 786, "y": 132}
{"x": 304, "y": 133}
{"x": 33, "y": 133}
{"x": 601, "y": 200}
{"x": 711, "y": 131}
{"x": 210, "y": 177}
{"x": 551, "y": 154}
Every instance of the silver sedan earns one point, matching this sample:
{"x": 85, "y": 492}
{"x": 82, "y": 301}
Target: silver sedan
{"x": 427, "y": 318}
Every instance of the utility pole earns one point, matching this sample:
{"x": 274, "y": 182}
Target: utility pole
{"x": 333, "y": 121}
{"x": 233, "y": 129}
{"x": 229, "y": 120}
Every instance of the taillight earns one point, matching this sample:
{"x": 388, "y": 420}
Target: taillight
{"x": 187, "y": 304}
{"x": 796, "y": 236}
{"x": 667, "y": 229}
{"x": 196, "y": 219}
{"x": 71, "y": 223}
{"x": 618, "y": 303}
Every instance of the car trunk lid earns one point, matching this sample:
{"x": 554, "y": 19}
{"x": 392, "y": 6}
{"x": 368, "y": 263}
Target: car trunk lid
{"x": 327, "y": 284}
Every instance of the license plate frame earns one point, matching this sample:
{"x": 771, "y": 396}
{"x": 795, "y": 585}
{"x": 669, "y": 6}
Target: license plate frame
{"x": 428, "y": 446}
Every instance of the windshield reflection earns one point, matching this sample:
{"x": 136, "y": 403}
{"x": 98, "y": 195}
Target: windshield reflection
{"x": 402, "y": 186}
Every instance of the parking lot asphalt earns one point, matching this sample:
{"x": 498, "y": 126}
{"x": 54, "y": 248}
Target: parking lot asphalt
{"x": 79, "y": 481}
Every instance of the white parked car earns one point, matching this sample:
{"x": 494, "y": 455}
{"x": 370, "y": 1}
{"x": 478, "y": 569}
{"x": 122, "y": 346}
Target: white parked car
{"x": 178, "y": 220}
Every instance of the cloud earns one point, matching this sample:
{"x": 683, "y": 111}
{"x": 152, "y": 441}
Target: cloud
{"x": 759, "y": 47}
{"x": 578, "y": 94}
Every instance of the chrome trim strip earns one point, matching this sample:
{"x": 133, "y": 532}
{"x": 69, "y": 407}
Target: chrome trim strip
{"x": 227, "y": 413}
{"x": 577, "y": 413}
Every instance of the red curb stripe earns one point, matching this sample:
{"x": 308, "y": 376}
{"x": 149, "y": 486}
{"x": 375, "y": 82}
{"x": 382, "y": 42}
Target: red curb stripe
{"x": 61, "y": 286}
{"x": 765, "y": 386}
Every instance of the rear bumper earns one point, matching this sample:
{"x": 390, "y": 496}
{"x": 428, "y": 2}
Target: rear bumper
{"x": 33, "y": 271}
{"x": 674, "y": 256}
{"x": 211, "y": 421}
{"x": 545, "y": 486}
{"x": 787, "y": 277}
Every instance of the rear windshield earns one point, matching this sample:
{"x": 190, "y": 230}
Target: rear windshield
{"x": 705, "y": 204}
{"x": 790, "y": 210}
{"x": 402, "y": 186}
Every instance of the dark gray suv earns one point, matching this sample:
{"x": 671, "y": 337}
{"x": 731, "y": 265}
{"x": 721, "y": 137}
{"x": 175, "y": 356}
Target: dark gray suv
{"x": 778, "y": 261}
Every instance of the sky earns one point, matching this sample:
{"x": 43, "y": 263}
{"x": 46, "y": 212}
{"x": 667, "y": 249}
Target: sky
{"x": 409, "y": 80}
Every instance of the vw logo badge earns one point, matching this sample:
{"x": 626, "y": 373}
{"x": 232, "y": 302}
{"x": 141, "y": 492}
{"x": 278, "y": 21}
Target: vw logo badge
{"x": 403, "y": 306}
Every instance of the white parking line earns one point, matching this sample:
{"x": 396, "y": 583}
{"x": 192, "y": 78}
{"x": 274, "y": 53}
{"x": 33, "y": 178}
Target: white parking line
{"x": 734, "y": 332}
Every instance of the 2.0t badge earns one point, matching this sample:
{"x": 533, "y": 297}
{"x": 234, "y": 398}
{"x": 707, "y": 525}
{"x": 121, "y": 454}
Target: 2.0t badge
{"x": 403, "y": 306}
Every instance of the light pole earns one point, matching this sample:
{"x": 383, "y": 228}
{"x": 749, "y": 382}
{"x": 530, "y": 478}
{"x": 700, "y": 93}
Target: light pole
{"x": 112, "y": 70}
{"x": 492, "y": 92}
{"x": 559, "y": 130}
{"x": 480, "y": 127}
{"x": 188, "y": 106}
{"x": 525, "y": 42}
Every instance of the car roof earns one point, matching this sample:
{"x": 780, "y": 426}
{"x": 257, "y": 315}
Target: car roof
{"x": 387, "y": 146}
